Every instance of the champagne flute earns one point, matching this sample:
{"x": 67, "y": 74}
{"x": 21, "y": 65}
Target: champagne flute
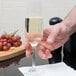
{"x": 33, "y": 35}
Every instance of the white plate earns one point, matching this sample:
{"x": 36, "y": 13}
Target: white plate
{"x": 58, "y": 69}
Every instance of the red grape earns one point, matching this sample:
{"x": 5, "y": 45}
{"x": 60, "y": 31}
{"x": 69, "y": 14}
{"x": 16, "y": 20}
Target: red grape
{"x": 10, "y": 37}
{"x": 0, "y": 37}
{"x": 2, "y": 40}
{"x": 19, "y": 43}
{"x": 9, "y": 41}
{"x": 14, "y": 38}
{"x": 4, "y": 36}
{"x": 4, "y": 43}
{"x": 9, "y": 45}
{"x": 5, "y": 48}
{"x": 1, "y": 44}
{"x": 1, "y": 49}
{"x": 18, "y": 37}
{"x": 15, "y": 44}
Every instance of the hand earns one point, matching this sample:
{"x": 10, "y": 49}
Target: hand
{"x": 30, "y": 37}
{"x": 29, "y": 49}
{"x": 53, "y": 37}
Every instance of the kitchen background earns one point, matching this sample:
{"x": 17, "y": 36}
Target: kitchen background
{"x": 14, "y": 12}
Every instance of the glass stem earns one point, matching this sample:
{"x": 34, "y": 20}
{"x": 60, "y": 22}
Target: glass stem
{"x": 33, "y": 59}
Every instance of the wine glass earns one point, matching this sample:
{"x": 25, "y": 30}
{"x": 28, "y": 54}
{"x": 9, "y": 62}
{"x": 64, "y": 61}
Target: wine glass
{"x": 34, "y": 36}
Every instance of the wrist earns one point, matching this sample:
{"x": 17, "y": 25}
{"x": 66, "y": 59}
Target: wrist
{"x": 70, "y": 27}
{"x": 70, "y": 21}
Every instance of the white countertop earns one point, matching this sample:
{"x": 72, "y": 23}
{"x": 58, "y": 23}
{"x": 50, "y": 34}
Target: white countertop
{"x": 58, "y": 69}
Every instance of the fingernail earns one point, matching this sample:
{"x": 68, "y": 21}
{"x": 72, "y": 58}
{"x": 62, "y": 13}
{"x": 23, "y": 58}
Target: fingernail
{"x": 45, "y": 57}
{"x": 27, "y": 54}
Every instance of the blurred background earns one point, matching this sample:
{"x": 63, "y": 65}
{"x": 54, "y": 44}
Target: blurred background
{"x": 14, "y": 12}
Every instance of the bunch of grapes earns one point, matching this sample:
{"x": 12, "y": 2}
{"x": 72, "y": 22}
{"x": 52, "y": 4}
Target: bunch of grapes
{"x": 9, "y": 40}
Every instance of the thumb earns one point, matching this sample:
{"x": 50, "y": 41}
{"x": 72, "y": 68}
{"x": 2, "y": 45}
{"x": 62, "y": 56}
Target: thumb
{"x": 52, "y": 37}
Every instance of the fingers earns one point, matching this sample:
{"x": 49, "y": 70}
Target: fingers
{"x": 27, "y": 53}
{"x": 29, "y": 49}
{"x": 53, "y": 35}
{"x": 27, "y": 45}
{"x": 46, "y": 45}
{"x": 44, "y": 53}
{"x": 46, "y": 33}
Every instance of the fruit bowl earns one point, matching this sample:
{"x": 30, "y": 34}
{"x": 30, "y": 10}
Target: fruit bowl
{"x": 12, "y": 52}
